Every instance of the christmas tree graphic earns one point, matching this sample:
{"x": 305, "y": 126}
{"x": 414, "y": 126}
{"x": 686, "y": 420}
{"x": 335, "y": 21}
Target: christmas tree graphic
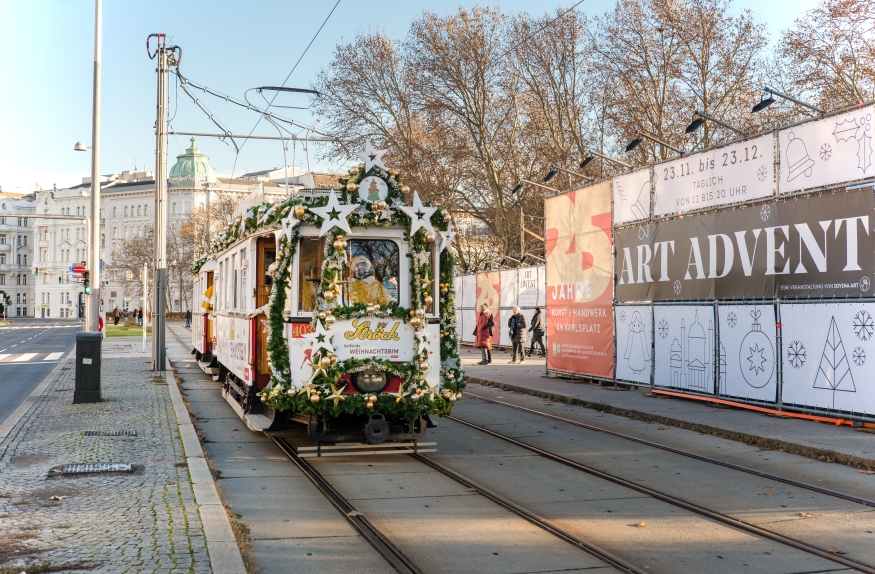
{"x": 373, "y": 191}
{"x": 834, "y": 372}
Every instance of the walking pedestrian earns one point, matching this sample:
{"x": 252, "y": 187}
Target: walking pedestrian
{"x": 137, "y": 317}
{"x": 483, "y": 334}
{"x": 188, "y": 319}
{"x": 517, "y": 325}
{"x": 116, "y": 315}
{"x": 537, "y": 329}
{"x": 142, "y": 318}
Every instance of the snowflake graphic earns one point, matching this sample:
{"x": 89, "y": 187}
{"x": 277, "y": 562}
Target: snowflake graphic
{"x": 762, "y": 172}
{"x": 796, "y": 354}
{"x": 678, "y": 287}
{"x": 622, "y": 316}
{"x": 825, "y": 152}
{"x": 732, "y": 319}
{"x": 765, "y": 212}
{"x": 663, "y": 328}
{"x": 863, "y": 325}
{"x": 859, "y": 356}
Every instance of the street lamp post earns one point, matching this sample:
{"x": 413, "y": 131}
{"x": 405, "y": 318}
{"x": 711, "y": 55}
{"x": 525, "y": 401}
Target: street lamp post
{"x": 93, "y": 305}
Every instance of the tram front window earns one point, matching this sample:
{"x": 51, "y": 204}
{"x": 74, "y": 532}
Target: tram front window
{"x": 310, "y": 275}
{"x": 372, "y": 274}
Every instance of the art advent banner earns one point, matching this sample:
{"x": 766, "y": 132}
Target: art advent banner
{"x": 738, "y": 172}
{"x": 631, "y": 196}
{"x": 684, "y": 347}
{"x": 810, "y": 247}
{"x": 527, "y": 287}
{"x": 829, "y": 356}
{"x": 580, "y": 331}
{"x": 748, "y": 352}
{"x": 634, "y": 343}
{"x": 828, "y": 151}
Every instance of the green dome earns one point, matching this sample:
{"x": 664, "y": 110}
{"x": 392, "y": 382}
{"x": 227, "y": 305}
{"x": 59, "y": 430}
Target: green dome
{"x": 193, "y": 164}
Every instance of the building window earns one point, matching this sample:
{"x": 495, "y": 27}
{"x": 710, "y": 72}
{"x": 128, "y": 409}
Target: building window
{"x": 2, "y": 279}
{"x": 114, "y": 212}
{"x": 126, "y": 211}
{"x": 2, "y": 259}
{"x": 139, "y": 210}
{"x": 173, "y": 209}
{"x": 115, "y": 233}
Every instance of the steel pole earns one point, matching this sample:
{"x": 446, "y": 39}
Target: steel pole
{"x": 159, "y": 308}
{"x": 92, "y": 306}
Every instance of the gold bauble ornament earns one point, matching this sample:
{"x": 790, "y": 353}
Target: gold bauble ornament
{"x": 328, "y": 295}
{"x": 351, "y": 186}
{"x": 277, "y": 207}
{"x": 328, "y": 311}
{"x": 445, "y": 215}
{"x": 300, "y": 210}
{"x": 452, "y": 373}
{"x": 369, "y": 309}
{"x": 418, "y": 391}
{"x": 325, "y": 361}
{"x": 392, "y": 172}
{"x": 415, "y": 398}
{"x": 333, "y": 359}
{"x": 372, "y": 398}
{"x": 447, "y": 395}
{"x": 430, "y": 237}
{"x": 445, "y": 289}
{"x": 405, "y": 189}
{"x": 263, "y": 399}
{"x": 428, "y": 300}
{"x": 419, "y": 313}
{"x": 458, "y": 396}
{"x": 361, "y": 166}
{"x": 353, "y": 171}
{"x": 376, "y": 307}
{"x": 412, "y": 313}
{"x": 338, "y": 244}
{"x": 381, "y": 205}
{"x": 315, "y": 398}
{"x": 369, "y": 405}
{"x": 330, "y": 320}
{"x": 415, "y": 322}
{"x": 322, "y": 315}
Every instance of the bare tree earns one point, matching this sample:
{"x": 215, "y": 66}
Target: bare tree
{"x": 829, "y": 54}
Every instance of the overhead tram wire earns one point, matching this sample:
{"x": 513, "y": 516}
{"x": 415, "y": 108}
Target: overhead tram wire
{"x": 304, "y": 53}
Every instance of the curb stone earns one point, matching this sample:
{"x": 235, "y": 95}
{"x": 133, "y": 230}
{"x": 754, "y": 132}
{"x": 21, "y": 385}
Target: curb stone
{"x": 222, "y": 547}
{"x": 807, "y": 451}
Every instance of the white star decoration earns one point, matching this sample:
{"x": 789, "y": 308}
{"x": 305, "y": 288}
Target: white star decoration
{"x": 334, "y": 214}
{"x": 321, "y": 338}
{"x": 422, "y": 340}
{"x": 267, "y": 211}
{"x": 420, "y": 216}
{"x": 447, "y": 237}
{"x": 373, "y": 157}
{"x": 289, "y": 224}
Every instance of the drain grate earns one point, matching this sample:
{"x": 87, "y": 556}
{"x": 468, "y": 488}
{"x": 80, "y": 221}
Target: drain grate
{"x": 94, "y": 467}
{"x": 110, "y": 433}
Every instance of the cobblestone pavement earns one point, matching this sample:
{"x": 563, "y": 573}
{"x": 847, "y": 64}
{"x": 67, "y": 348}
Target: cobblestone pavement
{"x": 147, "y": 521}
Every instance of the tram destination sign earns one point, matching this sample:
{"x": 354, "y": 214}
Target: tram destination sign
{"x": 738, "y": 172}
{"x": 809, "y": 247}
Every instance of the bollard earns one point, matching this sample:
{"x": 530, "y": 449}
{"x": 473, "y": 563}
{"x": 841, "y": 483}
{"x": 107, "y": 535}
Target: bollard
{"x": 87, "y": 368}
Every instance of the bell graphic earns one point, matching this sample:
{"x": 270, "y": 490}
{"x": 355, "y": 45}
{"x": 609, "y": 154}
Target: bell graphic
{"x": 797, "y": 158}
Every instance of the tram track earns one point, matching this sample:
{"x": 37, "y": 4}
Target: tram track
{"x": 681, "y": 452}
{"x": 674, "y": 500}
{"x": 359, "y": 522}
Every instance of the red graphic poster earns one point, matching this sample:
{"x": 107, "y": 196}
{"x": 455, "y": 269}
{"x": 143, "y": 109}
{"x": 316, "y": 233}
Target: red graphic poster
{"x": 489, "y": 292}
{"x": 580, "y": 324}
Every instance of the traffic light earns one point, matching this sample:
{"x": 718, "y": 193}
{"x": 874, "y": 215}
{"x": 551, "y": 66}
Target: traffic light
{"x": 86, "y": 277}
{"x": 59, "y": 278}
{"x": 36, "y": 273}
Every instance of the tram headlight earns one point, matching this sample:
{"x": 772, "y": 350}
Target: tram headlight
{"x": 370, "y": 382}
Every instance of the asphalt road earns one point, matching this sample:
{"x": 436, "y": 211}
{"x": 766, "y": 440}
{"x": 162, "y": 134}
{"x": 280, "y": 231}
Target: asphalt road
{"x": 29, "y": 350}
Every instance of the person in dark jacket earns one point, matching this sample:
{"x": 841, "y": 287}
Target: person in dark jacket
{"x": 116, "y": 315}
{"x": 537, "y": 329}
{"x": 517, "y": 326}
{"x": 188, "y": 318}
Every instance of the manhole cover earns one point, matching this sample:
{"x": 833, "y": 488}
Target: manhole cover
{"x": 94, "y": 467}
{"x": 110, "y": 433}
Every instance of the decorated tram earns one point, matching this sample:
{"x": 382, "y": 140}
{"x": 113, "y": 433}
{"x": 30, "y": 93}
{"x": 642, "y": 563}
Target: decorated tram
{"x": 335, "y": 312}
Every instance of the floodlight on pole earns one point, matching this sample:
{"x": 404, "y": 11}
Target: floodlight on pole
{"x": 550, "y": 175}
{"x": 641, "y": 136}
{"x": 554, "y": 168}
{"x": 80, "y": 146}
{"x": 591, "y": 155}
{"x": 699, "y": 119}
{"x": 766, "y": 102}
{"x": 516, "y": 188}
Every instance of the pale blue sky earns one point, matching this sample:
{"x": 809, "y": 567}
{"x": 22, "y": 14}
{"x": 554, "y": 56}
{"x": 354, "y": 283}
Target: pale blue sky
{"x": 45, "y": 72}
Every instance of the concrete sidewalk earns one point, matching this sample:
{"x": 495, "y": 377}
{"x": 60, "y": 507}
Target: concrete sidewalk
{"x": 823, "y": 441}
{"x": 149, "y": 520}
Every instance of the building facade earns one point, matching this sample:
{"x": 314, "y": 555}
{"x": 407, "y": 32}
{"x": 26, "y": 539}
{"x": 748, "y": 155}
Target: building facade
{"x": 16, "y": 254}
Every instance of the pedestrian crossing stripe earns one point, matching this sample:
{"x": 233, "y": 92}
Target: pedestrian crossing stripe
{"x": 30, "y": 358}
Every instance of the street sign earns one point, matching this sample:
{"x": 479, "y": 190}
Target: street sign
{"x": 78, "y": 269}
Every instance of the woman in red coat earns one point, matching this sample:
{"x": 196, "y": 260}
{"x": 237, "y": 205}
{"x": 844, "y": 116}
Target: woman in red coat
{"x": 483, "y": 334}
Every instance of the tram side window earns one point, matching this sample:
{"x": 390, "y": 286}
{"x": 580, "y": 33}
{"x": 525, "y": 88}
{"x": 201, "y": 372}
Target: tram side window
{"x": 234, "y": 281}
{"x": 373, "y": 271}
{"x": 310, "y": 271}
